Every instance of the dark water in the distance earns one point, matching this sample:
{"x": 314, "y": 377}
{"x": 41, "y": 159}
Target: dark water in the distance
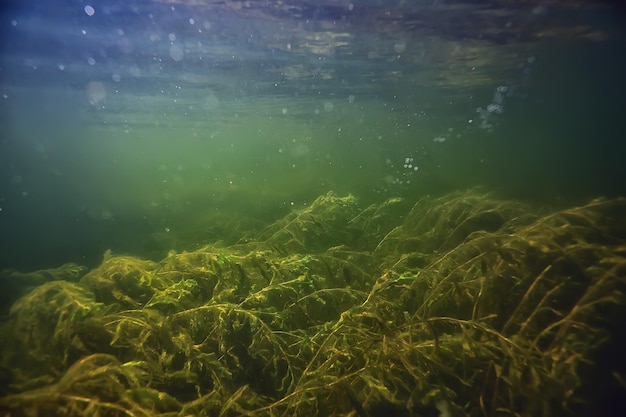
{"x": 129, "y": 125}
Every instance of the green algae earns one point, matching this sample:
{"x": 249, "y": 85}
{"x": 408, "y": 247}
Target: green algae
{"x": 462, "y": 305}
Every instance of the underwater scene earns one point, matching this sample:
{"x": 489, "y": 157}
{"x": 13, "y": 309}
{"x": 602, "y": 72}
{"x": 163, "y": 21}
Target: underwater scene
{"x": 333, "y": 208}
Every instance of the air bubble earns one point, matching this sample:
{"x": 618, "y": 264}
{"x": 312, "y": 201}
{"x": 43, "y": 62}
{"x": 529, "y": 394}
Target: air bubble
{"x": 176, "y": 53}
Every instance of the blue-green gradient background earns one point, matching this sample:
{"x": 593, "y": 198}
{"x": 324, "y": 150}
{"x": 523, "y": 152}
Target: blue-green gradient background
{"x": 151, "y": 126}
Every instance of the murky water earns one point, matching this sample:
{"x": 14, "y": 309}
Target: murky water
{"x": 125, "y": 124}
{"x": 331, "y": 208}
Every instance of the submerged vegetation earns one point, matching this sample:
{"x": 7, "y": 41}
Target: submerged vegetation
{"x": 462, "y": 305}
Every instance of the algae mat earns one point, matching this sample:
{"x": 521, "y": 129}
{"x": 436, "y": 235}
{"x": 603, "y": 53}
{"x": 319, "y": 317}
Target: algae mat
{"x": 462, "y": 305}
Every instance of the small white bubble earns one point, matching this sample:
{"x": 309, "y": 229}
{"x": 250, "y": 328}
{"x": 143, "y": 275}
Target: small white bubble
{"x": 399, "y": 47}
{"x": 494, "y": 108}
{"x": 90, "y": 10}
{"x": 116, "y": 77}
{"x": 91, "y": 61}
{"x": 540, "y": 9}
{"x": 61, "y": 67}
{"x": 328, "y": 106}
{"x": 84, "y": 32}
{"x": 176, "y": 53}
{"x": 96, "y": 91}
{"x": 14, "y": 22}
{"x": 192, "y": 21}
{"x": 172, "y": 37}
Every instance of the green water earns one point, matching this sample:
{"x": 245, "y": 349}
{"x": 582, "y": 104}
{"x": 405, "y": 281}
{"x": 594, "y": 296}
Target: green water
{"x": 322, "y": 208}
{"x": 139, "y": 152}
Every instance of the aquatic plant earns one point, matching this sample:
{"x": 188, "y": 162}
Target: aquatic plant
{"x": 461, "y": 305}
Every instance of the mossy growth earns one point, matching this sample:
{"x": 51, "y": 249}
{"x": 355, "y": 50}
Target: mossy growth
{"x": 462, "y": 305}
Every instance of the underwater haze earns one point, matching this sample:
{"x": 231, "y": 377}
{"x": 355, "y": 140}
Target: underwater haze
{"x": 136, "y": 126}
{"x": 332, "y": 208}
